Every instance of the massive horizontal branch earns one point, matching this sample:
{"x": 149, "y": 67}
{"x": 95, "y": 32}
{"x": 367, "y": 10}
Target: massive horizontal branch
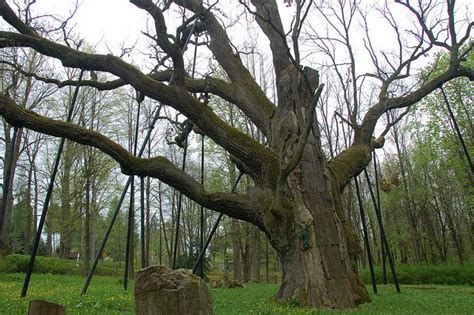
{"x": 233, "y": 205}
{"x": 254, "y": 155}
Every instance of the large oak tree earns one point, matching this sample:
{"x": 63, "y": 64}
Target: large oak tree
{"x": 296, "y": 198}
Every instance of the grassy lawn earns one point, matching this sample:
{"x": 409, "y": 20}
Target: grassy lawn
{"x": 106, "y": 296}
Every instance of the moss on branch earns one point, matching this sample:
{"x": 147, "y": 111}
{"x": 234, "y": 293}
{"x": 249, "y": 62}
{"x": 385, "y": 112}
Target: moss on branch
{"x": 349, "y": 163}
{"x": 158, "y": 167}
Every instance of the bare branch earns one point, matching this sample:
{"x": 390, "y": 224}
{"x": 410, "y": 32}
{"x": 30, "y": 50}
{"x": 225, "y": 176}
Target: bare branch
{"x": 7, "y": 13}
{"x": 162, "y": 38}
{"x": 394, "y": 122}
{"x": 258, "y": 107}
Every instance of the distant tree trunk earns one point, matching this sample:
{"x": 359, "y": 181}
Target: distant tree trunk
{"x": 65, "y": 227}
{"x": 236, "y": 250}
{"x": 409, "y": 205}
{"x": 131, "y": 261}
{"x": 87, "y": 216}
{"x": 35, "y": 202}
{"x": 147, "y": 221}
{"x": 457, "y": 241}
{"x": 245, "y": 252}
{"x": 226, "y": 261}
{"x": 235, "y": 231}
{"x": 29, "y": 212}
{"x": 49, "y": 234}
{"x": 7, "y": 215}
{"x": 255, "y": 255}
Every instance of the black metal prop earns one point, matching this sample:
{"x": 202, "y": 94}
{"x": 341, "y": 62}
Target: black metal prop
{"x": 458, "y": 132}
{"x": 214, "y": 229}
{"x": 180, "y": 205}
{"x": 49, "y": 193}
{"x": 131, "y": 209}
{"x": 382, "y": 231}
{"x": 119, "y": 205}
{"x": 366, "y": 236}
{"x": 127, "y": 185}
{"x": 184, "y": 142}
{"x": 382, "y": 246}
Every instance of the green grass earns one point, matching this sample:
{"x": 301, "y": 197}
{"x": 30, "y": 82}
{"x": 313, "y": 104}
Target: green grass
{"x": 450, "y": 274}
{"x": 422, "y": 299}
{"x": 106, "y": 296}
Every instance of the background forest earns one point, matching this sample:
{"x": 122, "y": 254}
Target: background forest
{"x": 424, "y": 184}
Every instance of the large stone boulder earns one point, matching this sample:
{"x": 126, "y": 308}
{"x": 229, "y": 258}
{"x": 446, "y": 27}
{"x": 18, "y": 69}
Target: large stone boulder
{"x": 160, "y": 290}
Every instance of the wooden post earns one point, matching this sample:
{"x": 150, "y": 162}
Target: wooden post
{"x": 40, "y": 307}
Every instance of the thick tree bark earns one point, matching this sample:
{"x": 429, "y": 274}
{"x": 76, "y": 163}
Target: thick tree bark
{"x": 308, "y": 229}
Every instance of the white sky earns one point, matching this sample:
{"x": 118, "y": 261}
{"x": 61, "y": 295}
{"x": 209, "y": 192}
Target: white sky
{"x": 111, "y": 23}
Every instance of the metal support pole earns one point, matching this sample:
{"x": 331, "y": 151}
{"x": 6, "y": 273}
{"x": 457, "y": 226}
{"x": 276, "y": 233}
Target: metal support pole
{"x": 366, "y": 236}
{"x": 382, "y": 230}
{"x": 142, "y": 217}
{"x": 131, "y": 210}
{"x": 183, "y": 166}
{"x": 180, "y": 204}
{"x": 49, "y": 193}
{"x": 382, "y": 247}
{"x": 129, "y": 232}
{"x": 458, "y": 131}
{"x": 200, "y": 272}
{"x": 213, "y": 231}
{"x": 119, "y": 205}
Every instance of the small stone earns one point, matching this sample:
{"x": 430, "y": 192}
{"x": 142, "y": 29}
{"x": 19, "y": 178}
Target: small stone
{"x": 160, "y": 290}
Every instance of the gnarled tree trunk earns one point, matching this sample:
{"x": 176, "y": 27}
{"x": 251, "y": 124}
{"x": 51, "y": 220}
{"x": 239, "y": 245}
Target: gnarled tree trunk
{"x": 306, "y": 223}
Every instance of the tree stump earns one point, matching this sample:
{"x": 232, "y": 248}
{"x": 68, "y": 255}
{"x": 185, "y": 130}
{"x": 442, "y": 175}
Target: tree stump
{"x": 40, "y": 307}
{"x": 159, "y": 290}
